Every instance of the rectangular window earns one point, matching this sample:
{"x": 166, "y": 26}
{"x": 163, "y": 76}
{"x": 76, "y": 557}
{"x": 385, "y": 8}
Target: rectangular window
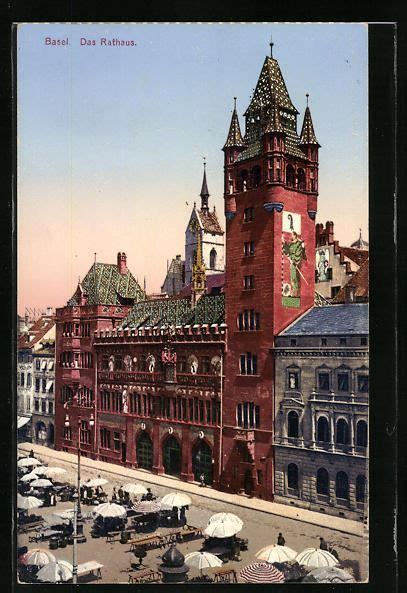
{"x": 293, "y": 342}
{"x": 184, "y": 409}
{"x": 363, "y": 341}
{"x": 240, "y": 321}
{"x": 37, "y": 384}
{"x": 239, "y": 415}
{"x": 36, "y": 405}
{"x": 323, "y": 381}
{"x": 43, "y": 407}
{"x": 248, "y": 214}
{"x": 248, "y": 282}
{"x": 323, "y": 342}
{"x": 208, "y": 412}
{"x": 242, "y": 364}
{"x": 249, "y": 248}
{"x": 363, "y": 383}
{"x": 44, "y": 385}
{"x": 334, "y": 291}
{"x": 245, "y": 415}
{"x": 260, "y": 476}
{"x": 201, "y": 411}
{"x": 251, "y": 414}
{"x": 342, "y": 341}
{"x": 38, "y": 364}
{"x": 50, "y": 407}
{"x": 116, "y": 441}
{"x": 248, "y": 364}
{"x": 343, "y": 382}
{"x": 191, "y": 409}
{"x": 257, "y": 416}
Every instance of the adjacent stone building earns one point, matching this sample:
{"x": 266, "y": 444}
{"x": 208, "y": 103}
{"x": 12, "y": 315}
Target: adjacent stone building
{"x": 321, "y": 402}
{"x": 43, "y": 415}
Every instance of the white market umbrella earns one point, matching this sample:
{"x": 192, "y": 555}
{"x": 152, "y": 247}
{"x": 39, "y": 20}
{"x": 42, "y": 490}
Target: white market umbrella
{"x": 135, "y": 489}
{"x": 37, "y": 557}
{"x": 176, "y": 499}
{"x": 221, "y": 529}
{"x": 68, "y": 514}
{"x": 55, "y": 519}
{"x": 41, "y": 483}
{"x": 51, "y": 472}
{"x": 275, "y": 553}
{"x": 95, "y": 482}
{"x": 227, "y": 517}
{"x": 110, "y": 509}
{"x": 147, "y": 506}
{"x": 39, "y": 470}
{"x": 59, "y": 571}
{"x": 28, "y": 477}
{"x": 28, "y": 462}
{"x": 329, "y": 574}
{"x": 202, "y": 560}
{"x": 315, "y": 558}
{"x": 28, "y": 502}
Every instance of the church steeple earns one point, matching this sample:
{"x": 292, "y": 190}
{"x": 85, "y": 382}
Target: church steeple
{"x": 204, "y": 192}
{"x": 198, "y": 269}
{"x": 234, "y": 139}
{"x": 307, "y": 131}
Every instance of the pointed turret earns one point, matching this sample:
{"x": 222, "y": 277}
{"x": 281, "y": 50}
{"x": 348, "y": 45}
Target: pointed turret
{"x": 307, "y": 131}
{"x": 204, "y": 192}
{"x": 234, "y": 139}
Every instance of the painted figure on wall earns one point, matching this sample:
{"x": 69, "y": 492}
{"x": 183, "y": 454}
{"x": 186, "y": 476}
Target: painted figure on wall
{"x": 322, "y": 264}
{"x": 151, "y": 363}
{"x": 125, "y": 402}
{"x": 128, "y": 363}
{"x": 111, "y": 364}
{"x": 295, "y": 251}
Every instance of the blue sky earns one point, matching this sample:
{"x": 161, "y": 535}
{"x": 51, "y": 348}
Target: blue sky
{"x": 111, "y": 139}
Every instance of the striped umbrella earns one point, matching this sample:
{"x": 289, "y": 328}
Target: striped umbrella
{"x": 261, "y": 572}
{"x": 147, "y": 506}
{"x": 275, "y": 553}
{"x": 37, "y": 557}
{"x": 315, "y": 557}
{"x": 55, "y": 572}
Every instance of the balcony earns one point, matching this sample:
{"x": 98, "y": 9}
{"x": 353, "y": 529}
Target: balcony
{"x": 131, "y": 377}
{"x": 211, "y": 381}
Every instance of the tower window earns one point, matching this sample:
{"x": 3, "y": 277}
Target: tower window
{"x": 248, "y": 282}
{"x": 212, "y": 259}
{"x": 249, "y": 248}
{"x": 289, "y": 176}
{"x": 248, "y": 320}
{"x": 301, "y": 179}
{"x": 256, "y": 176}
{"x": 248, "y": 364}
{"x": 248, "y": 214}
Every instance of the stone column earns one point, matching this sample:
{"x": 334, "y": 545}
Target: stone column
{"x": 352, "y": 434}
{"x": 332, "y": 431}
{"x": 284, "y": 421}
{"x": 158, "y": 467}
{"x": 186, "y": 459}
{"x": 313, "y": 427}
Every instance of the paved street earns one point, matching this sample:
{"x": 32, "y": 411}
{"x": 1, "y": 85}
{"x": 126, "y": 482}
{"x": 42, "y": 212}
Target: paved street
{"x": 261, "y": 528}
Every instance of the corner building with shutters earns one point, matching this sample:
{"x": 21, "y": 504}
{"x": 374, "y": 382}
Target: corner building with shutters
{"x": 270, "y": 192}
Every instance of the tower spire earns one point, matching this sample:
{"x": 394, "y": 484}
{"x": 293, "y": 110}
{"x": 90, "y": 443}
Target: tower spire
{"x": 234, "y": 139}
{"x": 271, "y": 45}
{"x": 204, "y": 191}
{"x": 307, "y": 132}
{"x": 198, "y": 268}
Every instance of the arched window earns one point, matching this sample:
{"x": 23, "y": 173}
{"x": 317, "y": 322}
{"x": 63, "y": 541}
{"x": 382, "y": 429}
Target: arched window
{"x": 212, "y": 259}
{"x": 28, "y": 379}
{"x": 342, "y": 432}
{"x": 292, "y": 419}
{"x": 301, "y": 179}
{"x": 292, "y": 476}
{"x": 342, "y": 486}
{"x": 172, "y": 456}
{"x": 361, "y": 434}
{"x": 22, "y": 379}
{"x": 202, "y": 462}
{"x": 289, "y": 176}
{"x": 322, "y": 481}
{"x": 144, "y": 451}
{"x": 361, "y": 489}
{"x": 256, "y": 176}
{"x": 323, "y": 430}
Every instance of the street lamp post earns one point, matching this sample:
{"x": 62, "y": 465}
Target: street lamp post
{"x": 77, "y": 498}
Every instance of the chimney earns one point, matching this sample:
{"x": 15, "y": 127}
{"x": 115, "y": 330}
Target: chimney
{"x": 122, "y": 263}
{"x": 350, "y": 294}
{"x": 330, "y": 231}
{"x": 178, "y": 257}
{"x": 318, "y": 234}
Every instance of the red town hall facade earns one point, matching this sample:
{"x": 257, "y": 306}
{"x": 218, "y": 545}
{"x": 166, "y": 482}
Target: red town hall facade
{"x": 184, "y": 385}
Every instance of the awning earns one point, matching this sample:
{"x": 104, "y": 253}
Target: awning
{"x": 50, "y": 365}
{"x": 44, "y": 365}
{"x": 22, "y": 421}
{"x": 49, "y": 385}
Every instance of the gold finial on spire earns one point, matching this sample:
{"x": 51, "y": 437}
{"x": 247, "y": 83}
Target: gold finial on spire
{"x": 307, "y": 95}
{"x": 271, "y": 45}
{"x": 234, "y": 100}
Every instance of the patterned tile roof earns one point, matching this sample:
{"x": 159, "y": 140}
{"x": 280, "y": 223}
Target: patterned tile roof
{"x": 307, "y": 132}
{"x": 271, "y": 88}
{"x": 234, "y": 139}
{"x": 104, "y": 285}
{"x": 350, "y": 319}
{"x": 292, "y": 142}
{"x": 176, "y": 311}
{"x": 36, "y": 332}
{"x": 209, "y": 221}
